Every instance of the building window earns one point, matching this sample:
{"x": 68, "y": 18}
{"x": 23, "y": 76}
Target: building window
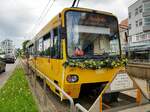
{"x": 137, "y": 38}
{"x": 136, "y": 23}
{"x": 147, "y": 7}
{"x": 129, "y": 15}
{"x": 136, "y": 11}
{"x": 140, "y": 22}
{"x": 129, "y": 26}
{"x": 147, "y": 20}
{"x": 140, "y": 9}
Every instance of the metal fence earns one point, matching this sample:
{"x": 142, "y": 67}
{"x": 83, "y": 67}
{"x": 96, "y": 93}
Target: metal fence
{"x": 36, "y": 73}
{"x": 80, "y": 108}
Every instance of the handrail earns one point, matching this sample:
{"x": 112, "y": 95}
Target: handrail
{"x": 57, "y": 87}
{"x": 80, "y": 107}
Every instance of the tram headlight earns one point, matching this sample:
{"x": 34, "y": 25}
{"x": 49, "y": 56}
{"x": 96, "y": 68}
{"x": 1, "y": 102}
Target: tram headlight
{"x": 72, "y": 78}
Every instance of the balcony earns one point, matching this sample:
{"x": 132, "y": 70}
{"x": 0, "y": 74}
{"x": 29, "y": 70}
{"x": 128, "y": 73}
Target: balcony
{"x": 146, "y": 11}
{"x": 145, "y": 1}
{"x": 146, "y": 28}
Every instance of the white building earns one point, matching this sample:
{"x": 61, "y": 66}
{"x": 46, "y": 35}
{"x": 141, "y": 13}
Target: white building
{"x": 139, "y": 24}
{"x": 7, "y": 46}
{"x": 1, "y": 49}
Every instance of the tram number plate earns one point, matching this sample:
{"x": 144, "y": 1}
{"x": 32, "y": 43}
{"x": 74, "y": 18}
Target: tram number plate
{"x": 121, "y": 82}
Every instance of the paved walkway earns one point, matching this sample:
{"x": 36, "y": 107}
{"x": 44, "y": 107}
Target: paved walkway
{"x": 5, "y": 75}
{"x": 143, "y": 108}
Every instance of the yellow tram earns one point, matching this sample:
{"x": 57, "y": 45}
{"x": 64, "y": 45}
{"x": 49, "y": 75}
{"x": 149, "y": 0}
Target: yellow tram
{"x": 77, "y": 49}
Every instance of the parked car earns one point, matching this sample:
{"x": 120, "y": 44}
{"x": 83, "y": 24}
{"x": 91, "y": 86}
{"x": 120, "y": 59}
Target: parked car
{"x": 2, "y": 65}
{"x": 9, "y": 58}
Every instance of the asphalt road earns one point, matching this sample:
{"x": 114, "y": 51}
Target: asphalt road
{"x": 5, "y": 75}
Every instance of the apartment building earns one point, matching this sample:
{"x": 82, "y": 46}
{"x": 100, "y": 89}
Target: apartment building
{"x": 7, "y": 46}
{"x": 139, "y": 25}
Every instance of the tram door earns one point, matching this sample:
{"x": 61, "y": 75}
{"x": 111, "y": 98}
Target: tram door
{"x": 55, "y": 60}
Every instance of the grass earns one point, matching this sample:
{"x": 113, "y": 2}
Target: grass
{"x": 15, "y": 96}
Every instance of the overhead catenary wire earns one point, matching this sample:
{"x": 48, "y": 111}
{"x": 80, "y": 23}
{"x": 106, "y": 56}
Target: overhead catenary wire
{"x": 37, "y": 21}
{"x": 75, "y": 2}
{"x": 42, "y": 16}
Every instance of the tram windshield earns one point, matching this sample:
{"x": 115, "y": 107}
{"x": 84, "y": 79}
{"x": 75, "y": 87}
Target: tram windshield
{"x": 91, "y": 35}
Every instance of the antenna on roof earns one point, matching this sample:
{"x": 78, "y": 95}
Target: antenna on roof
{"x": 75, "y": 2}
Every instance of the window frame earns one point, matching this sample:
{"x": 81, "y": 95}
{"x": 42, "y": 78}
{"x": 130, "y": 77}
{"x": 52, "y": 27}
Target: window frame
{"x": 95, "y": 12}
{"x": 140, "y": 22}
{"x": 59, "y": 54}
{"x": 136, "y": 23}
{"x": 136, "y": 11}
{"x": 129, "y": 15}
{"x": 146, "y": 23}
{"x": 130, "y": 26}
{"x": 140, "y": 8}
{"x": 46, "y": 37}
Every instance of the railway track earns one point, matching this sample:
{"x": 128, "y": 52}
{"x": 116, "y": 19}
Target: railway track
{"x": 53, "y": 103}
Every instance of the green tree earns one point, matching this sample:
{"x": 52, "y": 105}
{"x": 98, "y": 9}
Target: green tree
{"x": 24, "y": 45}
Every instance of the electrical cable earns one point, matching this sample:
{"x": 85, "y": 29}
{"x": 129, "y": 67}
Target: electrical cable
{"x": 43, "y": 14}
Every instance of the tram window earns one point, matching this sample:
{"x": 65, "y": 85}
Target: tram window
{"x": 91, "y": 35}
{"x": 55, "y": 43}
{"x": 39, "y": 47}
{"x": 46, "y": 45}
{"x": 30, "y": 50}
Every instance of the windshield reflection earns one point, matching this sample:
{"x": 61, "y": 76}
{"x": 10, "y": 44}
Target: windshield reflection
{"x": 91, "y": 35}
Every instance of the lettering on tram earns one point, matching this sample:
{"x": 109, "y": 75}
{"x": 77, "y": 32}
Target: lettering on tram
{"x": 79, "y": 50}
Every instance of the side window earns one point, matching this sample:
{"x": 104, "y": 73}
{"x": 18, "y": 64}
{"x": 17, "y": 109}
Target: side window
{"x": 46, "y": 45}
{"x": 55, "y": 43}
{"x": 30, "y": 51}
{"x": 39, "y": 47}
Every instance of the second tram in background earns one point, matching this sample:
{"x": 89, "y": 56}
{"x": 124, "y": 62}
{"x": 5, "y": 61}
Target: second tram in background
{"x": 79, "y": 50}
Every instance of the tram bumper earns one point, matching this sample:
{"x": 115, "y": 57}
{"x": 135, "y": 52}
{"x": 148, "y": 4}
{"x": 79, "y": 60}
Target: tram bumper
{"x": 88, "y": 79}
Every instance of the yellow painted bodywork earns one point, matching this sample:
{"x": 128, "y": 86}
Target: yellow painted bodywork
{"x": 53, "y": 68}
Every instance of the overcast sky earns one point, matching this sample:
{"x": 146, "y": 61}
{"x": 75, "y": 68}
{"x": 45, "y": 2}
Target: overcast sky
{"x": 18, "y": 18}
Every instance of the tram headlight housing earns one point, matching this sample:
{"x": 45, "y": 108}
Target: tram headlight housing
{"x": 72, "y": 78}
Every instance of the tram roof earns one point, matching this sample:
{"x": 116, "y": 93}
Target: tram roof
{"x": 54, "y": 22}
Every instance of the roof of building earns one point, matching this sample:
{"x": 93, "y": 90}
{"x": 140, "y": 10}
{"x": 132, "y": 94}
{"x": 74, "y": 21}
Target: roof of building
{"x": 124, "y": 24}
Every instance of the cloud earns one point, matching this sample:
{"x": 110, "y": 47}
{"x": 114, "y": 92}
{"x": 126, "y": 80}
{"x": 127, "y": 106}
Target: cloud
{"x": 18, "y": 17}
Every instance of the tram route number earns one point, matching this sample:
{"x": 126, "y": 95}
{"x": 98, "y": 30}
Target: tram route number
{"x": 121, "y": 82}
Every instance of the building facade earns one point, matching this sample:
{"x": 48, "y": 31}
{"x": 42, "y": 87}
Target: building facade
{"x": 7, "y": 46}
{"x": 139, "y": 25}
{"x": 123, "y": 31}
